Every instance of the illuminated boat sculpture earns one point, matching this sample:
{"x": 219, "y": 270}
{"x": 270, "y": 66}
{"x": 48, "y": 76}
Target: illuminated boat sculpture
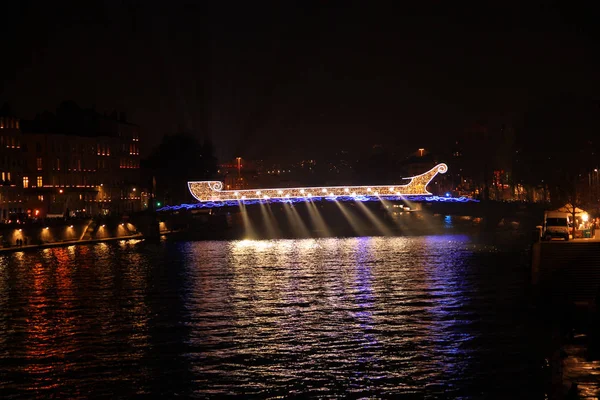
{"x": 212, "y": 191}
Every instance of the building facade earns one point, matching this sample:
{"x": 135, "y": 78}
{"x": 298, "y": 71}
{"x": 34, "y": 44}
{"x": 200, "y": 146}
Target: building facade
{"x": 52, "y": 173}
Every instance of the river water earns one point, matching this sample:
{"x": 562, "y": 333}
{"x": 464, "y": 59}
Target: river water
{"x": 441, "y": 316}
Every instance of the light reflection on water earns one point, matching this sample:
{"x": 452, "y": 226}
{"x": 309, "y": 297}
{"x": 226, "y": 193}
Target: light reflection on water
{"x": 428, "y": 316}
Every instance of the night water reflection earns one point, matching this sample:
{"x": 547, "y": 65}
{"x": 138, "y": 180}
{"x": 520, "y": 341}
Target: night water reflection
{"x": 429, "y": 316}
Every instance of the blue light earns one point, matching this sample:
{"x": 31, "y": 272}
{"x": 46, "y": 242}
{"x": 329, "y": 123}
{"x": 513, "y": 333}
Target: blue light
{"x": 447, "y": 194}
{"x": 236, "y": 203}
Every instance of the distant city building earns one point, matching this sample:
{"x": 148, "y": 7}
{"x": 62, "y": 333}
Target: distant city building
{"x": 51, "y": 166}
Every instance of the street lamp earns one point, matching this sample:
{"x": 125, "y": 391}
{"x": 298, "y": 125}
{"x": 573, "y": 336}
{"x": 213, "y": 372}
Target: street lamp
{"x": 239, "y": 166}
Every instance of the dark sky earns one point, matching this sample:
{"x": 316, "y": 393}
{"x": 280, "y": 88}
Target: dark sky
{"x": 287, "y": 78}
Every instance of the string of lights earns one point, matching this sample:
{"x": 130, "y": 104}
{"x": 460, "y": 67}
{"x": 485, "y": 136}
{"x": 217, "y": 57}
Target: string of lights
{"x": 212, "y": 191}
{"x": 236, "y": 203}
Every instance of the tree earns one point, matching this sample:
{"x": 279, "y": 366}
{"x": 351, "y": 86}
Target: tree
{"x": 558, "y": 146}
{"x": 178, "y": 159}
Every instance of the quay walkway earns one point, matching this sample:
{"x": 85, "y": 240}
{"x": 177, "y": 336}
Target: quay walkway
{"x": 567, "y": 274}
{"x": 14, "y": 249}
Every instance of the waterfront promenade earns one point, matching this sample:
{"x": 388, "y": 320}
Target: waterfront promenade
{"x": 566, "y": 281}
{"x": 14, "y": 249}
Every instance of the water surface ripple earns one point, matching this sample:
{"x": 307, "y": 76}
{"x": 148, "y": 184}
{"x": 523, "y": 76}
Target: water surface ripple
{"x": 404, "y": 317}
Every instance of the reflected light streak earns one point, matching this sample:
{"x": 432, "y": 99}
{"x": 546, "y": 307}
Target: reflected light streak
{"x": 248, "y": 229}
{"x": 268, "y": 221}
{"x": 295, "y": 222}
{"x": 379, "y": 224}
{"x": 351, "y": 218}
{"x": 319, "y": 223}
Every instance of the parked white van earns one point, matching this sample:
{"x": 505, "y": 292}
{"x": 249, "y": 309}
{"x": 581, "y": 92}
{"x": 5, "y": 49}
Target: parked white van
{"x": 556, "y": 225}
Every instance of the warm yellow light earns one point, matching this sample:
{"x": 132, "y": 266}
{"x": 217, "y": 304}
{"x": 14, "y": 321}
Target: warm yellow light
{"x": 309, "y": 195}
{"x": 46, "y": 228}
{"x": 70, "y": 226}
{"x": 417, "y": 186}
{"x": 265, "y": 197}
{"x": 585, "y": 217}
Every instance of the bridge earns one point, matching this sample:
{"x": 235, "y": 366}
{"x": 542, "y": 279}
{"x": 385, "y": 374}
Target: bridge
{"x": 210, "y": 194}
{"x": 338, "y": 210}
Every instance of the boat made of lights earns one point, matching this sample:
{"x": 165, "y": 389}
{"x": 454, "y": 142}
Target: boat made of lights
{"x": 212, "y": 191}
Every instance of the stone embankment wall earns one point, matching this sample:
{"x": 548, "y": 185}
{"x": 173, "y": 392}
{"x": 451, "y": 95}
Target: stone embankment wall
{"x": 567, "y": 271}
{"x": 63, "y": 231}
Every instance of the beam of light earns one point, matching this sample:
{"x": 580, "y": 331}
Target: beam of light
{"x": 269, "y": 220}
{"x": 211, "y": 191}
{"x": 352, "y": 219}
{"x": 295, "y": 222}
{"x": 378, "y": 223}
{"x": 236, "y": 203}
{"x": 317, "y": 219}
{"x": 394, "y": 219}
{"x": 248, "y": 228}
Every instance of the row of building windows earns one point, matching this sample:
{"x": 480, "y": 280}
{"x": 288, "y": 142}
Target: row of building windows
{"x": 127, "y": 163}
{"x": 134, "y": 150}
{"x": 40, "y": 181}
{"x": 10, "y": 142}
{"x": 9, "y": 122}
{"x": 103, "y": 150}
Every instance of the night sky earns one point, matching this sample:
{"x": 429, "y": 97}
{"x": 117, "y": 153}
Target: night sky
{"x": 294, "y": 79}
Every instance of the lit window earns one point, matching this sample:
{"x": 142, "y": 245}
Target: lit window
{"x": 58, "y": 164}
{"x": 39, "y": 163}
{"x": 4, "y": 176}
{"x": 39, "y": 181}
{"x": 25, "y": 182}
{"x": 41, "y": 197}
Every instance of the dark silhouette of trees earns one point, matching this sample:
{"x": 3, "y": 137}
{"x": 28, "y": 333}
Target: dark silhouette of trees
{"x": 557, "y": 148}
{"x": 178, "y": 159}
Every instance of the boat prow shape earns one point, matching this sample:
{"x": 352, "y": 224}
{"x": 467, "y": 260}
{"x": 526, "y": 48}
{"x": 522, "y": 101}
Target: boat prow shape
{"x": 204, "y": 191}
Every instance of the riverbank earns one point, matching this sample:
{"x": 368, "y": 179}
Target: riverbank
{"x": 566, "y": 282}
{"x": 66, "y": 243}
